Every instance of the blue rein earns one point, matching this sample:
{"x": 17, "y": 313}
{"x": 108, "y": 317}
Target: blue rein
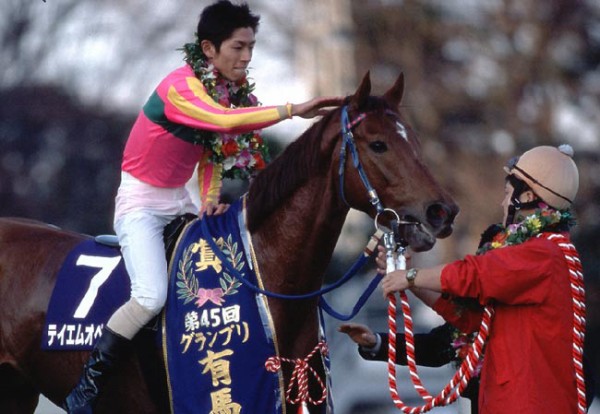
{"x": 347, "y": 143}
{"x": 318, "y": 293}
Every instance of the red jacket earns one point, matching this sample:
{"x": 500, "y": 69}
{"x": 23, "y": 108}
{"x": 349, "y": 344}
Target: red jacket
{"x": 528, "y": 365}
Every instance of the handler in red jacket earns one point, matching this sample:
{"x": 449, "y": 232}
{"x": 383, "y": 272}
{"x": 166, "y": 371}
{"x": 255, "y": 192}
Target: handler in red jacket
{"x": 531, "y": 364}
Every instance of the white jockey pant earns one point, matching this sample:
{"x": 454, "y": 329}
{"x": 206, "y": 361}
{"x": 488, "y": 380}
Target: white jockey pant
{"x": 141, "y": 214}
{"x": 141, "y": 238}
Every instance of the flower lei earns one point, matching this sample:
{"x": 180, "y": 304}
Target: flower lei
{"x": 542, "y": 220}
{"x": 240, "y": 155}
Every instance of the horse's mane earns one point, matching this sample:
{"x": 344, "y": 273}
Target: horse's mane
{"x": 292, "y": 168}
{"x": 299, "y": 161}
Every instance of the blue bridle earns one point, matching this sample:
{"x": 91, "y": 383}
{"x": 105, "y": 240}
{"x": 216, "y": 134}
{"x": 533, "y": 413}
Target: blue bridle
{"x": 348, "y": 143}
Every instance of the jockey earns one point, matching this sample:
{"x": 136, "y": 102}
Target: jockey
{"x": 528, "y": 278}
{"x": 202, "y": 115}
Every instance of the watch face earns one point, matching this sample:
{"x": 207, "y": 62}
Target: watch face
{"x": 412, "y": 273}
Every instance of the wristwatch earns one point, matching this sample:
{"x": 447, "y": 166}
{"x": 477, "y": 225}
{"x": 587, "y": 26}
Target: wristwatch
{"x": 411, "y": 275}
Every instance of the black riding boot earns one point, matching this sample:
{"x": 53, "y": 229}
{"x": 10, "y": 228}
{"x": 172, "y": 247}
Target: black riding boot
{"x": 110, "y": 348}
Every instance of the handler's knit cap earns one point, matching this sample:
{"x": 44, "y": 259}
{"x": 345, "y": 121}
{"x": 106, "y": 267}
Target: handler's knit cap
{"x": 550, "y": 172}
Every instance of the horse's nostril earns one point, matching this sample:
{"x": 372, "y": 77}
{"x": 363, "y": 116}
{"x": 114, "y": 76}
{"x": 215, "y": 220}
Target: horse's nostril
{"x": 439, "y": 215}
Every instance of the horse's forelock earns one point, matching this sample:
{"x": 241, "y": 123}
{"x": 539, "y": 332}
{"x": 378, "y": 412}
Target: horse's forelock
{"x": 301, "y": 159}
{"x": 374, "y": 104}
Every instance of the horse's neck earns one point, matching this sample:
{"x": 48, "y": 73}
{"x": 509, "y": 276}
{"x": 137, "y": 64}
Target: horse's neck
{"x": 298, "y": 239}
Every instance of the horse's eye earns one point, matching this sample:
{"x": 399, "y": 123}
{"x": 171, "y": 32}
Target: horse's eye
{"x": 378, "y": 146}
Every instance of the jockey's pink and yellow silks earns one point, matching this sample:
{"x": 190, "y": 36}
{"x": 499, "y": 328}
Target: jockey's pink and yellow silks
{"x": 160, "y": 149}
{"x": 209, "y": 180}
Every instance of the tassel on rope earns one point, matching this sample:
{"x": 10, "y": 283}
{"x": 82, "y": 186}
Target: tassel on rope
{"x": 303, "y": 409}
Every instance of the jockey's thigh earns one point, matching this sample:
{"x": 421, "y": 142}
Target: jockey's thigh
{"x": 141, "y": 237}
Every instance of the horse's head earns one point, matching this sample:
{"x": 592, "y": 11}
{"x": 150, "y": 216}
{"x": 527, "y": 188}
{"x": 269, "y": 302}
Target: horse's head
{"x": 390, "y": 155}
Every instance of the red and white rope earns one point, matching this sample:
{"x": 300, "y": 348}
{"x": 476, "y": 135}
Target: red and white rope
{"x": 578, "y": 303}
{"x": 458, "y": 382}
{"x": 410, "y": 348}
{"x": 300, "y": 377}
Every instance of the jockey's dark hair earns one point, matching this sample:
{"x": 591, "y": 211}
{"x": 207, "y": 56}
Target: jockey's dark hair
{"x": 219, "y": 20}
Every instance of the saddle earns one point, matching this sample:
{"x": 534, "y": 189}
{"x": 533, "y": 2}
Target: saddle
{"x": 173, "y": 230}
{"x": 170, "y": 234}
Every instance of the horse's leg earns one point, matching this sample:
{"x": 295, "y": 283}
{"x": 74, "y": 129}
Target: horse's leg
{"x": 297, "y": 335}
{"x": 127, "y": 392}
{"x": 152, "y": 365}
{"x": 17, "y": 396}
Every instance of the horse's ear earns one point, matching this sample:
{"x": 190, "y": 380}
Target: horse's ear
{"x": 394, "y": 95}
{"x": 359, "y": 99}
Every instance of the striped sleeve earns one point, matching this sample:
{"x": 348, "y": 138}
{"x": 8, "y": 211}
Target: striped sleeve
{"x": 187, "y": 103}
{"x": 209, "y": 181}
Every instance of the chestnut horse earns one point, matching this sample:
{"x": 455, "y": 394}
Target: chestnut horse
{"x": 296, "y": 208}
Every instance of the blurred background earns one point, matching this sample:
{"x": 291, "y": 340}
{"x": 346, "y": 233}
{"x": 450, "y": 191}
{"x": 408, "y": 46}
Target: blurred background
{"x": 485, "y": 80}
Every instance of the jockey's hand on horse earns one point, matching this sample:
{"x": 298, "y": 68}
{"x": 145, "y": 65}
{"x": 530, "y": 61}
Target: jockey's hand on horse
{"x": 315, "y": 106}
{"x": 210, "y": 209}
{"x": 360, "y": 334}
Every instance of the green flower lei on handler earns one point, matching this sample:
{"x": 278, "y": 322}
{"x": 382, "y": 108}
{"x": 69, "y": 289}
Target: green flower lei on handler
{"x": 240, "y": 155}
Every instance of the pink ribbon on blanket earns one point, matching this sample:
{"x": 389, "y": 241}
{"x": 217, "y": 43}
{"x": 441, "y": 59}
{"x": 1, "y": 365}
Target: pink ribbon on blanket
{"x": 213, "y": 295}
